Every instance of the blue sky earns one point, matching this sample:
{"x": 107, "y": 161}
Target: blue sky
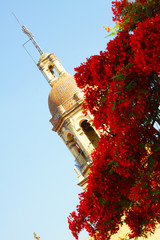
{"x": 37, "y": 179}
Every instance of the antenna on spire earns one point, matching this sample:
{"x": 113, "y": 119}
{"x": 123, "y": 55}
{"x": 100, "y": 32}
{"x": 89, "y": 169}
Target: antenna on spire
{"x": 30, "y": 35}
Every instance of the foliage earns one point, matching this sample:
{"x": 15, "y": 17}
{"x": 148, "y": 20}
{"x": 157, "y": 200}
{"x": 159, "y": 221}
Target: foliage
{"x": 122, "y": 91}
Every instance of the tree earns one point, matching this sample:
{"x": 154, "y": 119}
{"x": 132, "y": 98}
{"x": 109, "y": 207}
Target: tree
{"x": 122, "y": 91}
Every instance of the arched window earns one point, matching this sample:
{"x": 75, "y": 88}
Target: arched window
{"x": 80, "y": 158}
{"x": 90, "y": 133}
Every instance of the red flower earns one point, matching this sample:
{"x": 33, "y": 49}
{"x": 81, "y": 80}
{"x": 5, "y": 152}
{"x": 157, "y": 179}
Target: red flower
{"x": 145, "y": 44}
{"x": 121, "y": 87}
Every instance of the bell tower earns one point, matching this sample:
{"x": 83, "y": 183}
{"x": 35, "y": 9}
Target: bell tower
{"x": 65, "y": 105}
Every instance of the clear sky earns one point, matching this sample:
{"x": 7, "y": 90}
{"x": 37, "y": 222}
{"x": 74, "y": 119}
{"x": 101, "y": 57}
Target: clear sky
{"x": 37, "y": 180}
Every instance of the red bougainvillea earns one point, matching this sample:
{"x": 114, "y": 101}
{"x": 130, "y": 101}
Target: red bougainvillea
{"x": 122, "y": 91}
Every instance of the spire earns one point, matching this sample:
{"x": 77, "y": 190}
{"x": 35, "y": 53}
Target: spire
{"x": 30, "y": 35}
{"x": 47, "y": 62}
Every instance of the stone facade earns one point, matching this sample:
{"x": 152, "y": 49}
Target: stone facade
{"x": 68, "y": 118}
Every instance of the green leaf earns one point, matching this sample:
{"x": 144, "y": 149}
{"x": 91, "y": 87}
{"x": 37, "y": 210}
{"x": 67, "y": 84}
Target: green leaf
{"x": 157, "y": 148}
{"x": 155, "y": 192}
{"x": 109, "y": 222}
{"x": 151, "y": 163}
{"x": 103, "y": 99}
{"x": 111, "y": 34}
{"x": 130, "y": 85}
{"x": 142, "y": 145}
{"x": 114, "y": 105}
{"x": 129, "y": 64}
{"x": 111, "y": 171}
{"x": 117, "y": 92}
{"x": 119, "y": 77}
{"x": 102, "y": 201}
{"x": 142, "y": 90}
{"x": 111, "y": 162}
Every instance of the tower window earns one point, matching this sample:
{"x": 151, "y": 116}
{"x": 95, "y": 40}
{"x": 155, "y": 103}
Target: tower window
{"x": 90, "y": 133}
{"x": 50, "y": 67}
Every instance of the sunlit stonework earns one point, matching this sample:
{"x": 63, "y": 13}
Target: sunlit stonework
{"x": 68, "y": 120}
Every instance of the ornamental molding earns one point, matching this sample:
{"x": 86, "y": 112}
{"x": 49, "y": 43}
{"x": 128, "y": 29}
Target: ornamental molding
{"x": 64, "y": 110}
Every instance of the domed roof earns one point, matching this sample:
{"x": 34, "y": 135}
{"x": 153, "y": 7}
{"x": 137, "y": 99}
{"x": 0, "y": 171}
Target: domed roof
{"x": 63, "y": 89}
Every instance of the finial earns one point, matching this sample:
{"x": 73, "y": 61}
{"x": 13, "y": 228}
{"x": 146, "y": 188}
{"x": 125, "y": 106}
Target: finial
{"x": 36, "y": 236}
{"x": 29, "y": 34}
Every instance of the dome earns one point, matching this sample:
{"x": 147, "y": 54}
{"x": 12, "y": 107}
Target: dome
{"x": 64, "y": 88}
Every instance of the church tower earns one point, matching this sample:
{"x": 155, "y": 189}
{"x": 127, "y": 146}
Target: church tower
{"x": 65, "y": 105}
{"x": 68, "y": 120}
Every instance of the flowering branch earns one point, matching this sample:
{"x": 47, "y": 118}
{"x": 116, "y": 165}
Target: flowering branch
{"x": 123, "y": 185}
